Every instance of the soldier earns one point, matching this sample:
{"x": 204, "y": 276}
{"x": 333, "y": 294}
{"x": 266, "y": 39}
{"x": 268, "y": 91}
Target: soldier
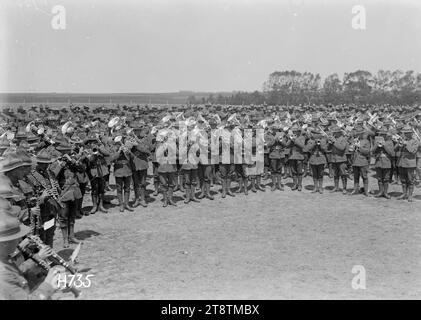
{"x": 276, "y": 142}
{"x": 205, "y": 166}
{"x": 15, "y": 167}
{"x": 122, "y": 160}
{"x": 49, "y": 206}
{"x": 316, "y": 146}
{"x": 166, "y": 155}
{"x": 189, "y": 168}
{"x": 337, "y": 145}
{"x": 64, "y": 171}
{"x": 360, "y": 159}
{"x": 141, "y": 152}
{"x": 407, "y": 148}
{"x": 226, "y": 166}
{"x": 296, "y": 142}
{"x": 81, "y": 175}
{"x": 383, "y": 152}
{"x": 13, "y": 282}
{"x": 97, "y": 171}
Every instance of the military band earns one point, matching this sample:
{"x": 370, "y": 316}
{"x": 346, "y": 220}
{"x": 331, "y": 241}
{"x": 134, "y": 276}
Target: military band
{"x": 50, "y": 167}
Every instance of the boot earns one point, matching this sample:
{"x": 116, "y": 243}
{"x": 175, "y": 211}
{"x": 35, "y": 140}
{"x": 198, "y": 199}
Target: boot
{"x": 176, "y": 187}
{"x": 126, "y": 201}
{"x": 245, "y": 182}
{"x": 259, "y": 185}
{"x": 404, "y": 194}
{"x": 165, "y": 197}
{"x": 295, "y": 183}
{"x": 381, "y": 191}
{"x": 253, "y": 185}
{"x": 181, "y": 183}
{"x": 344, "y": 183}
{"x": 321, "y": 185}
{"x": 410, "y": 192}
{"x": 316, "y": 186}
{"x": 72, "y": 238}
{"x": 156, "y": 188}
{"x": 300, "y": 183}
{"x": 101, "y": 204}
{"x": 202, "y": 191}
{"x": 356, "y": 189}
{"x": 240, "y": 186}
{"x": 229, "y": 192}
{"x": 136, "y": 196}
{"x": 94, "y": 204}
{"x": 207, "y": 191}
{"x": 65, "y": 233}
{"x": 142, "y": 201}
{"x": 336, "y": 185}
{"x": 385, "y": 190}
{"x": 330, "y": 171}
{"x": 273, "y": 188}
{"x": 187, "y": 195}
{"x": 224, "y": 188}
{"x": 120, "y": 201}
{"x": 170, "y": 197}
{"x": 193, "y": 194}
{"x": 366, "y": 193}
{"x": 279, "y": 183}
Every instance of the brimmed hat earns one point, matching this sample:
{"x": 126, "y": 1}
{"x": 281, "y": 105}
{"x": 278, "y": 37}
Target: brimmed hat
{"x": 406, "y": 129}
{"x": 359, "y": 130}
{"x": 63, "y": 145}
{"x": 4, "y": 143}
{"x": 383, "y": 130}
{"x": 11, "y": 228}
{"x": 295, "y": 128}
{"x": 6, "y": 207}
{"x": 44, "y": 157}
{"x": 15, "y": 160}
{"x": 335, "y": 129}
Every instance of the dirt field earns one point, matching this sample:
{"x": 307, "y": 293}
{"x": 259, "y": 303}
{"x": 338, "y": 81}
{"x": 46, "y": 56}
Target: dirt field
{"x": 272, "y": 245}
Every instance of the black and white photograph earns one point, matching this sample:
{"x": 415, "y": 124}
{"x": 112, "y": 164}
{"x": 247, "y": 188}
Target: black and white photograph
{"x": 210, "y": 150}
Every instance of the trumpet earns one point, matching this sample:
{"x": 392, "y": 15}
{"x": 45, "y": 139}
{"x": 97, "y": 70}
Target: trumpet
{"x": 330, "y": 139}
{"x": 417, "y": 135}
{"x": 398, "y": 139}
{"x": 355, "y": 145}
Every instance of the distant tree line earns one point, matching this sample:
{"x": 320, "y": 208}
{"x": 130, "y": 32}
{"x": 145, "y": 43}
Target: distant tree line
{"x": 359, "y": 87}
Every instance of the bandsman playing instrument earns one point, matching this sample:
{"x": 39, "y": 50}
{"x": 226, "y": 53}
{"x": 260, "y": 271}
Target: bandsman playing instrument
{"x": 276, "y": 142}
{"x": 337, "y": 145}
{"x": 316, "y": 146}
{"x": 97, "y": 171}
{"x": 65, "y": 170}
{"x": 406, "y": 148}
{"x": 360, "y": 149}
{"x": 296, "y": 141}
{"x": 383, "y": 152}
{"x": 141, "y": 152}
{"x": 13, "y": 279}
{"x": 122, "y": 160}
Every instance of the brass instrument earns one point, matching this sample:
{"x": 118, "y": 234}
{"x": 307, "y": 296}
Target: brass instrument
{"x": 398, "y": 139}
{"x": 31, "y": 242}
{"x": 417, "y": 134}
{"x": 330, "y": 139}
{"x": 38, "y": 131}
{"x": 355, "y": 145}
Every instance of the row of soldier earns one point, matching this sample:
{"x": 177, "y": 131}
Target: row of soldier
{"x": 67, "y": 163}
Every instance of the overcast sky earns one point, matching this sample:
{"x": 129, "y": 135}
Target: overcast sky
{"x": 165, "y": 46}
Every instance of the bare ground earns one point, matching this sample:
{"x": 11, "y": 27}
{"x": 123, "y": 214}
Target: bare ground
{"x": 272, "y": 245}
